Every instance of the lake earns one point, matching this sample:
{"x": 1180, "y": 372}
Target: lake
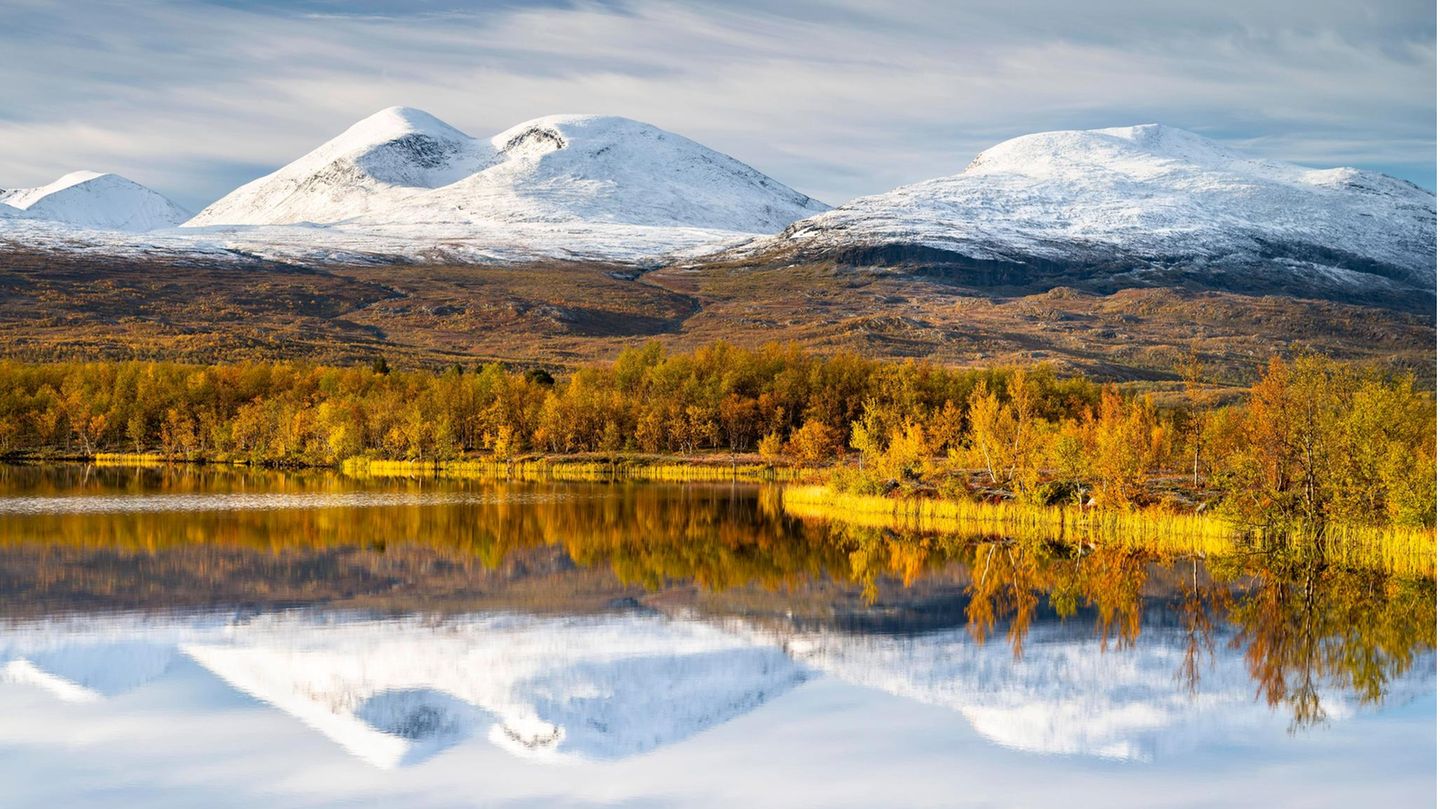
{"x": 209, "y": 636}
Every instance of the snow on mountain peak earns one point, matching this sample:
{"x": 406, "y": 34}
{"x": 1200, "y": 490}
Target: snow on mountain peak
{"x": 1160, "y": 138}
{"x": 397, "y": 690}
{"x": 406, "y": 146}
{"x": 613, "y": 170}
{"x": 66, "y": 181}
{"x": 532, "y": 139}
{"x": 1144, "y": 151}
{"x": 1142, "y": 204}
{"x": 394, "y": 122}
{"x": 377, "y": 161}
{"x": 1146, "y": 198}
{"x": 25, "y": 198}
{"x": 404, "y": 167}
{"x": 395, "y": 693}
{"x": 92, "y": 199}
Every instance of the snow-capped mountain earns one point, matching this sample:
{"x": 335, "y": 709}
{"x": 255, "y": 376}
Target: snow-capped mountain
{"x": 89, "y": 672}
{"x": 369, "y": 167}
{"x": 88, "y": 199}
{"x": 80, "y": 658}
{"x": 1106, "y": 208}
{"x": 1140, "y": 204}
{"x": 403, "y": 173}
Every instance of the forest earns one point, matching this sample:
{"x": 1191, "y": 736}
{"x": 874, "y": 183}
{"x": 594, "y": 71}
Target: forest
{"x": 1311, "y": 441}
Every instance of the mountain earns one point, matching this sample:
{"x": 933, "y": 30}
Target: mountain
{"x": 375, "y": 163}
{"x": 1138, "y": 206}
{"x": 89, "y": 199}
{"x": 84, "y": 673}
{"x": 1099, "y": 251}
{"x": 403, "y": 174}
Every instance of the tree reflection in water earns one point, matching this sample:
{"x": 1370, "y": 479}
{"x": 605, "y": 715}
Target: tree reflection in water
{"x": 1301, "y": 620}
{"x": 1303, "y": 617}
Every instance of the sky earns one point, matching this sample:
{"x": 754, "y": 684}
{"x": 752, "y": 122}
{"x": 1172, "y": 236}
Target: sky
{"x": 837, "y": 99}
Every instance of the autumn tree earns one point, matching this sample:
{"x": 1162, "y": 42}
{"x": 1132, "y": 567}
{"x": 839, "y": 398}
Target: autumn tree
{"x": 815, "y": 443}
{"x": 1006, "y": 437}
{"x": 1128, "y": 440}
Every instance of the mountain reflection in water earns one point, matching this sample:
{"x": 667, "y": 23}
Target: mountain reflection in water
{"x": 599, "y": 622}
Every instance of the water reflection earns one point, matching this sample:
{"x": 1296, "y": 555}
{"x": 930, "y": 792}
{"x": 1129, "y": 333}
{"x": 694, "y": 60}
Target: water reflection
{"x": 601, "y": 622}
{"x": 396, "y": 691}
{"x": 1298, "y": 621}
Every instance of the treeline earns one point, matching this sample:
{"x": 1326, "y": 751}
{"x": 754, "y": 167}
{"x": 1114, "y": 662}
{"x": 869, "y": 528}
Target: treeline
{"x": 1315, "y": 441}
{"x": 719, "y": 397}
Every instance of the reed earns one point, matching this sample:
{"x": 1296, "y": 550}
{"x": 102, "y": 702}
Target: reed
{"x": 534, "y": 469}
{"x": 541, "y": 469}
{"x": 128, "y": 459}
{"x": 1398, "y": 549}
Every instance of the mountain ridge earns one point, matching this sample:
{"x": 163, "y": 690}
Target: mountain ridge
{"x": 1101, "y": 210}
{"x": 1141, "y": 205}
{"x": 403, "y": 166}
{"x": 610, "y": 687}
{"x": 1031, "y": 254}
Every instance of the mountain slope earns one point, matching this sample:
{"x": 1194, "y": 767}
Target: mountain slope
{"x": 1138, "y": 206}
{"x": 403, "y": 167}
{"x": 378, "y": 161}
{"x": 89, "y": 199}
{"x": 566, "y": 168}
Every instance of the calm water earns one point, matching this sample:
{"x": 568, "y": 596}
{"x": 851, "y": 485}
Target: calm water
{"x": 221, "y": 638}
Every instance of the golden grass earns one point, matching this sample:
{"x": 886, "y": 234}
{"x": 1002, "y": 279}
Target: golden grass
{"x": 537, "y": 469}
{"x": 572, "y": 470}
{"x": 226, "y": 311}
{"x": 127, "y": 459}
{"x": 1397, "y": 549}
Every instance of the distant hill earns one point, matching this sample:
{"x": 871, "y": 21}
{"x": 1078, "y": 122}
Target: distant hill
{"x": 1138, "y": 206}
{"x": 598, "y": 187}
{"x": 88, "y": 199}
{"x": 567, "y": 238}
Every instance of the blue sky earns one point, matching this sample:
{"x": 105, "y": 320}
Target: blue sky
{"x": 837, "y": 99}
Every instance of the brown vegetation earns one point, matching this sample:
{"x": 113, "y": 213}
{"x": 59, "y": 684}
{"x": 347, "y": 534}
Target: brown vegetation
{"x": 72, "y": 306}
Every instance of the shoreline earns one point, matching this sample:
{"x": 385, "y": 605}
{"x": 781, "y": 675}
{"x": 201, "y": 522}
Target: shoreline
{"x": 1396, "y": 548}
{"x": 804, "y": 496}
{"x": 575, "y": 467}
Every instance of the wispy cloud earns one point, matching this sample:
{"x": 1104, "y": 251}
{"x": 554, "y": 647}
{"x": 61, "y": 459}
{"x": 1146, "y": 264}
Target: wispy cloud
{"x": 835, "y": 98}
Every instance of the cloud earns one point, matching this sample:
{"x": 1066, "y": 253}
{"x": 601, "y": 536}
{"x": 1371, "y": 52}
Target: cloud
{"x": 835, "y": 98}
